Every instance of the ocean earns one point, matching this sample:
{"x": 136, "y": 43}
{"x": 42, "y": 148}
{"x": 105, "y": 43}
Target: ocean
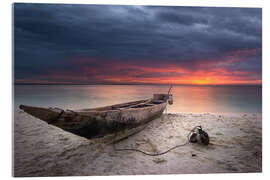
{"x": 187, "y": 99}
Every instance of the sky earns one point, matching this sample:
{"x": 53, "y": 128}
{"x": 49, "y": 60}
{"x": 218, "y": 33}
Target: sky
{"x": 112, "y": 44}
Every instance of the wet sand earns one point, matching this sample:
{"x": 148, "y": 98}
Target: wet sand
{"x": 235, "y": 147}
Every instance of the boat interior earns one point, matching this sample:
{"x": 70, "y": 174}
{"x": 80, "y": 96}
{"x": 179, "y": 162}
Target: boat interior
{"x": 134, "y": 104}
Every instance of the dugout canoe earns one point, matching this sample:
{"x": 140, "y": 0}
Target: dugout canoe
{"x": 98, "y": 122}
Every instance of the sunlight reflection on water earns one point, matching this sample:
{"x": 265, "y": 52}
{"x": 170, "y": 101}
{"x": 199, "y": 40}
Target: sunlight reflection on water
{"x": 196, "y": 99}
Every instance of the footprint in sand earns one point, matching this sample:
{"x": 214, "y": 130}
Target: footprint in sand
{"x": 159, "y": 160}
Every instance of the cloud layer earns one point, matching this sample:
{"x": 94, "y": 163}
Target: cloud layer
{"x": 56, "y": 43}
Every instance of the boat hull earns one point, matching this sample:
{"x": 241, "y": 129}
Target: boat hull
{"x": 98, "y": 122}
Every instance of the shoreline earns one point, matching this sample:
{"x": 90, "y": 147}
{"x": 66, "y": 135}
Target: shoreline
{"x": 235, "y": 147}
{"x": 231, "y": 114}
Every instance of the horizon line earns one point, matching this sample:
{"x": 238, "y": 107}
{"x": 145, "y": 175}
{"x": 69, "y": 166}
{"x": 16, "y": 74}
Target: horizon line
{"x": 136, "y": 84}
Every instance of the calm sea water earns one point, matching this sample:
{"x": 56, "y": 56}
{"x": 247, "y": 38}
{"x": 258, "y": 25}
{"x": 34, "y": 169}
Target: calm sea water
{"x": 194, "y": 99}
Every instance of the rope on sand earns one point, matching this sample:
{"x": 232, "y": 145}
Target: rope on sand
{"x": 149, "y": 154}
{"x": 152, "y": 154}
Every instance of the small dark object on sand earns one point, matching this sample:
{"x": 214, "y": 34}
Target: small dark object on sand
{"x": 197, "y": 135}
{"x": 203, "y": 137}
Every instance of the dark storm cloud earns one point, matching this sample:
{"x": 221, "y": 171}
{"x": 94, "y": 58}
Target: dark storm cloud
{"x": 48, "y": 37}
{"x": 181, "y": 18}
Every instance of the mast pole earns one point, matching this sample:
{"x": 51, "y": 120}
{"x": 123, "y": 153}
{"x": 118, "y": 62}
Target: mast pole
{"x": 170, "y": 89}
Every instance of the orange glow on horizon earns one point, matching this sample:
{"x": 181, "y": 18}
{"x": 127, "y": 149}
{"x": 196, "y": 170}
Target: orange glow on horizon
{"x": 217, "y": 77}
{"x": 205, "y": 72}
{"x": 187, "y": 81}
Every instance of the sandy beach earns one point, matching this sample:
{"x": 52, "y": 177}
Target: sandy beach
{"x": 235, "y": 147}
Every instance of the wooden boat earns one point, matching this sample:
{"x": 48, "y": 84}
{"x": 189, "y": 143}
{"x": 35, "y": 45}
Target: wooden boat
{"x": 101, "y": 121}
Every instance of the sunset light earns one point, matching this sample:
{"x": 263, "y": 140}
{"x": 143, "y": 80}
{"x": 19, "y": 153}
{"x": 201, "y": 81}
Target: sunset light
{"x": 166, "y": 51}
